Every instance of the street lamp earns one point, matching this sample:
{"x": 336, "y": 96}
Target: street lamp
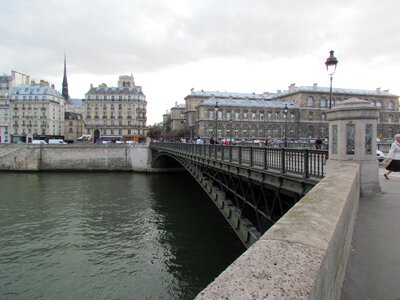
{"x": 216, "y": 120}
{"x": 331, "y": 63}
{"x": 285, "y": 112}
{"x": 230, "y": 122}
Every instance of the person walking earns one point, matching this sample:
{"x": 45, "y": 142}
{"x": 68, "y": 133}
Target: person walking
{"x": 393, "y": 159}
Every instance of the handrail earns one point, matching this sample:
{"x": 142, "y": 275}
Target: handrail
{"x": 302, "y": 162}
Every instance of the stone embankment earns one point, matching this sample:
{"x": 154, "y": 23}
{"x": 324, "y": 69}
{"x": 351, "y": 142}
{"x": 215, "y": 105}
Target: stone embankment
{"x": 108, "y": 157}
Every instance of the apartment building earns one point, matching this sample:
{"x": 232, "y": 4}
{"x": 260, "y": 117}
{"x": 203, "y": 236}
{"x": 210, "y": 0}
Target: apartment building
{"x": 115, "y": 113}
{"x": 36, "y": 111}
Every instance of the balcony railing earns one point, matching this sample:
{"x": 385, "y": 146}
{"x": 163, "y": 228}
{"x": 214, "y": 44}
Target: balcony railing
{"x": 305, "y": 163}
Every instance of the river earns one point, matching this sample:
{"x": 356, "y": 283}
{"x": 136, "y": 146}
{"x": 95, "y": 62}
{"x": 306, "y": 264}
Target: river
{"x": 109, "y": 236}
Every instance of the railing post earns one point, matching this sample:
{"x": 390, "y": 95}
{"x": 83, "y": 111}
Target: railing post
{"x": 283, "y": 160}
{"x": 230, "y": 153}
{"x": 265, "y": 158}
{"x": 305, "y": 159}
{"x": 251, "y": 156}
{"x": 240, "y": 155}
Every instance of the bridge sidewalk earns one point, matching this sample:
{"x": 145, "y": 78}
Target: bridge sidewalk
{"x": 373, "y": 270}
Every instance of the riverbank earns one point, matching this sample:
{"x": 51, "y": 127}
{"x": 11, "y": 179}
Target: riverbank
{"x": 107, "y": 157}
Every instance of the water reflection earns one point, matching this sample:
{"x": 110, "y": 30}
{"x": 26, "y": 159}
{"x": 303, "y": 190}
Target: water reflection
{"x": 109, "y": 236}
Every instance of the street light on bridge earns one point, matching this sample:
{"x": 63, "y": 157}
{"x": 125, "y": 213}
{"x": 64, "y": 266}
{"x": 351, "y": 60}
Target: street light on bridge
{"x": 331, "y": 63}
{"x": 285, "y": 112}
{"x": 216, "y": 121}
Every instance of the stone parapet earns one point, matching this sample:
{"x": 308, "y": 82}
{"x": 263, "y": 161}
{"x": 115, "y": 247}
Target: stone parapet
{"x": 304, "y": 255}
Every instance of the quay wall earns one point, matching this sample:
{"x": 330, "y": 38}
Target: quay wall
{"x": 103, "y": 157}
{"x": 304, "y": 255}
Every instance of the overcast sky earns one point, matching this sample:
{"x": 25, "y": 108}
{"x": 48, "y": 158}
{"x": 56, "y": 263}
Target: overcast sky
{"x": 171, "y": 46}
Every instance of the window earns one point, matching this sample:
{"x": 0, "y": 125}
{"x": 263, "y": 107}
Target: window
{"x": 323, "y": 102}
{"x": 210, "y": 115}
{"x": 253, "y": 116}
{"x": 310, "y": 101}
{"x": 237, "y": 116}
{"x": 261, "y": 116}
{"x": 391, "y": 105}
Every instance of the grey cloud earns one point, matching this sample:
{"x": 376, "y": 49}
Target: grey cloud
{"x": 144, "y": 36}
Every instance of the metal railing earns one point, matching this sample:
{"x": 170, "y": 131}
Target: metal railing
{"x": 302, "y": 162}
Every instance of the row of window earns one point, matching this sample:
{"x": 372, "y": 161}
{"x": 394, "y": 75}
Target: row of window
{"x": 34, "y": 98}
{"x": 112, "y": 107}
{"x": 324, "y": 103}
{"x": 248, "y": 116}
{"x": 113, "y": 98}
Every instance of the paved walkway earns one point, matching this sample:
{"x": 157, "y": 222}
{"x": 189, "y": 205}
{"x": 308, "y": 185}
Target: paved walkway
{"x": 373, "y": 270}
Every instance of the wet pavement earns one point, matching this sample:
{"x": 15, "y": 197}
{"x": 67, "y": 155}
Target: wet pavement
{"x": 373, "y": 270}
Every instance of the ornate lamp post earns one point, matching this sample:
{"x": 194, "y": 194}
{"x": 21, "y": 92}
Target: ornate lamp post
{"x": 230, "y": 122}
{"x": 285, "y": 112}
{"x": 331, "y": 63}
{"x": 216, "y": 120}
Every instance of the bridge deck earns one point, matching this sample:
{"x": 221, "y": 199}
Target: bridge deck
{"x": 373, "y": 270}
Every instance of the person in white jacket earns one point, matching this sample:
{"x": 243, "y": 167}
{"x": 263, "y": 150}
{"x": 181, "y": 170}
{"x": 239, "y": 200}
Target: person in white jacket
{"x": 393, "y": 160}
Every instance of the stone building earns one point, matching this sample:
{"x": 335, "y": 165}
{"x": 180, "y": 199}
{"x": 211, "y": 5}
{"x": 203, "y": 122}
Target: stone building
{"x": 36, "y": 111}
{"x": 115, "y": 113}
{"x": 73, "y": 126}
{"x": 178, "y": 117}
{"x": 7, "y": 84}
{"x": 260, "y": 116}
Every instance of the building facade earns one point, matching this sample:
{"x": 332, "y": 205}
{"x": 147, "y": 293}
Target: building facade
{"x": 298, "y": 113}
{"x": 178, "y": 117}
{"x": 73, "y": 126}
{"x": 115, "y": 113}
{"x": 36, "y": 111}
{"x": 7, "y": 83}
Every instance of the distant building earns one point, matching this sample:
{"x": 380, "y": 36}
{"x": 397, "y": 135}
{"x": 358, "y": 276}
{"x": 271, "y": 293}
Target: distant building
{"x": 178, "y": 117}
{"x": 36, "y": 111}
{"x": 263, "y": 116}
{"x": 73, "y": 126}
{"x": 115, "y": 112}
{"x": 7, "y": 83}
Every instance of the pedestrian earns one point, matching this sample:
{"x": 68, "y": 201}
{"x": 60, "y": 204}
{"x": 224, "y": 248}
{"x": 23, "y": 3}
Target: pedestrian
{"x": 199, "y": 141}
{"x": 212, "y": 142}
{"x": 393, "y": 159}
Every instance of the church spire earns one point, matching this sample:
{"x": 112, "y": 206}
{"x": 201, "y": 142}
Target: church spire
{"x": 65, "y": 81}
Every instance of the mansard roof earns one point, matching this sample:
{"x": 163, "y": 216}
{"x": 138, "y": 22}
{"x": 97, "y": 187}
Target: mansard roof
{"x": 218, "y": 94}
{"x": 104, "y": 90}
{"x": 35, "y": 90}
{"x": 292, "y": 90}
{"x": 325, "y": 90}
{"x": 247, "y": 103}
{"x": 5, "y": 78}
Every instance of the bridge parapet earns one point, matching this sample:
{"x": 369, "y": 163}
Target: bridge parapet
{"x": 304, "y": 255}
{"x": 299, "y": 162}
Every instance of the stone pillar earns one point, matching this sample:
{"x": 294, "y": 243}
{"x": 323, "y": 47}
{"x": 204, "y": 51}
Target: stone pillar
{"x": 352, "y": 138}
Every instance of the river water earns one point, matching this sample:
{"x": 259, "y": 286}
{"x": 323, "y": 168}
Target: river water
{"x": 109, "y": 236}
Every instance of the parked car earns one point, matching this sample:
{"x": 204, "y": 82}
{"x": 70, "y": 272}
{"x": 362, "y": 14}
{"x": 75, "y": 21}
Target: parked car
{"x": 380, "y": 156}
{"x": 57, "y": 141}
{"x": 38, "y": 142}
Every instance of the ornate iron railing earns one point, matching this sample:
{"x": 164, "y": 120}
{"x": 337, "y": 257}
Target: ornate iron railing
{"x": 302, "y": 162}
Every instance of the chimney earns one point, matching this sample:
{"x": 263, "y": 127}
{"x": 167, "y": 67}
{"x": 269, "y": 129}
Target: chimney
{"x": 278, "y": 91}
{"x": 315, "y": 85}
{"x": 378, "y": 90}
{"x": 292, "y": 87}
